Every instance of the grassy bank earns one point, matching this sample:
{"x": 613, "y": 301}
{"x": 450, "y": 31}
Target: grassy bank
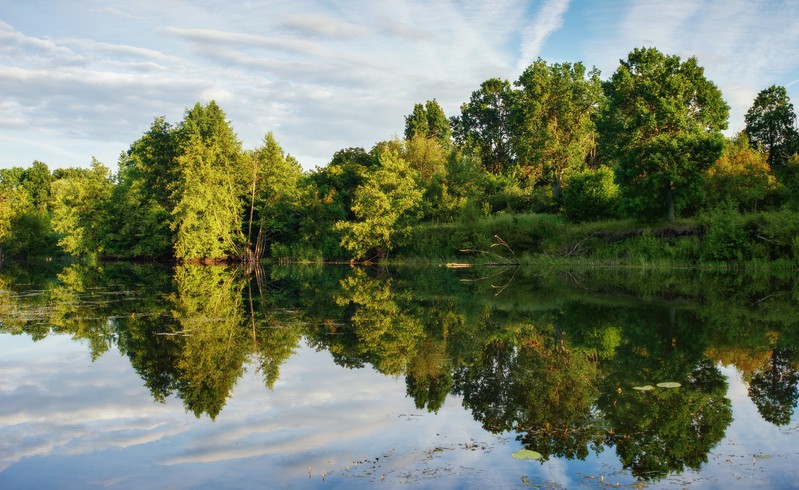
{"x": 722, "y": 238}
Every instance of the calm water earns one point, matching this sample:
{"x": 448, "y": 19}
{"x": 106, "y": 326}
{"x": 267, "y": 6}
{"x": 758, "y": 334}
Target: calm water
{"x": 143, "y": 376}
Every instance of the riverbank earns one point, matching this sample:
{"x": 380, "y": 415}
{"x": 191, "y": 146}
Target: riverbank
{"x": 722, "y": 238}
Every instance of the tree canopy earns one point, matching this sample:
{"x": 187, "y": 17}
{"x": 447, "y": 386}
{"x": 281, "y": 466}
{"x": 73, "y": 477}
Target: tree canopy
{"x": 661, "y": 126}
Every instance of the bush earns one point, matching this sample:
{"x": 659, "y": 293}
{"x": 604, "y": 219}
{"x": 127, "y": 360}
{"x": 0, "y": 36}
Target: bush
{"x": 590, "y": 195}
{"x": 726, "y": 237}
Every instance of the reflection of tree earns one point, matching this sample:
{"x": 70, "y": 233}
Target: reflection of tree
{"x": 773, "y": 388}
{"x": 429, "y": 379}
{"x": 212, "y": 342}
{"x": 274, "y": 336}
{"x": 388, "y": 335}
{"x": 664, "y": 430}
{"x": 537, "y": 385}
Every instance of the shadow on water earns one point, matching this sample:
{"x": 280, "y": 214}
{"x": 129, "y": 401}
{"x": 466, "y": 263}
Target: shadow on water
{"x": 568, "y": 363}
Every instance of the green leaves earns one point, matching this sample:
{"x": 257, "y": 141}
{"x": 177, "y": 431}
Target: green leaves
{"x": 385, "y": 207}
{"x": 662, "y": 128}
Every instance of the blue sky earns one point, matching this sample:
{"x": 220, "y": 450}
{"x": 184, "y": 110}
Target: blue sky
{"x": 85, "y": 78}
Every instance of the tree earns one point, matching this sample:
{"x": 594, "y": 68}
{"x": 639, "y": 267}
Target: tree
{"x": 741, "y": 175}
{"x": 428, "y": 121}
{"x": 144, "y": 197}
{"x": 553, "y": 118}
{"x": 211, "y": 186}
{"x": 771, "y": 125}
{"x": 662, "y": 127}
{"x": 385, "y": 206}
{"x": 483, "y": 128}
{"x": 275, "y": 192}
{"x": 36, "y": 181}
{"x": 80, "y": 205}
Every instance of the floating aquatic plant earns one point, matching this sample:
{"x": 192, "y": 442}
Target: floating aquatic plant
{"x": 669, "y": 384}
{"x": 526, "y": 454}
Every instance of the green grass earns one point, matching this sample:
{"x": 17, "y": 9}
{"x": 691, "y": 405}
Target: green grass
{"x": 716, "y": 240}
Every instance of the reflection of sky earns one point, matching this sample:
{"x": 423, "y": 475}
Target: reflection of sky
{"x": 69, "y": 423}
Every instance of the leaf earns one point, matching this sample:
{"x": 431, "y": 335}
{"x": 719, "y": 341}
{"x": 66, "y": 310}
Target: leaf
{"x": 644, "y": 388}
{"x": 526, "y": 454}
{"x": 669, "y": 384}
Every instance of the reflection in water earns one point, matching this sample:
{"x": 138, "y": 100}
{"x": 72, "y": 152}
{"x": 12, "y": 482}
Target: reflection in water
{"x": 553, "y": 359}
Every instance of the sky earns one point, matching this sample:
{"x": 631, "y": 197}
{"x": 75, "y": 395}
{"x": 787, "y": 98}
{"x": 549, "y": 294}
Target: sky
{"x": 86, "y": 78}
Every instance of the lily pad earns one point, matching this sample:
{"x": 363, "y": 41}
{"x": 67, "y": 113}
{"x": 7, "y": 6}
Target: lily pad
{"x": 669, "y": 384}
{"x": 644, "y": 388}
{"x": 526, "y": 454}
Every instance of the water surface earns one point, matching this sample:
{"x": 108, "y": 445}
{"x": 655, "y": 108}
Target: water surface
{"x": 132, "y": 376}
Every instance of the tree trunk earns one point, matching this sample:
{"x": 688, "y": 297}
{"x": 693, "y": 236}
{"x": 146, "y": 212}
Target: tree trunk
{"x": 670, "y": 201}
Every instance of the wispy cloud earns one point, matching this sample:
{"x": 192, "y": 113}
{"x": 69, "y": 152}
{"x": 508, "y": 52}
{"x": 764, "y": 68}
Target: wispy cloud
{"x": 548, "y": 20}
{"x": 326, "y": 76}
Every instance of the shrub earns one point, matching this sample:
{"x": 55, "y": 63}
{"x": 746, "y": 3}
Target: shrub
{"x": 590, "y": 195}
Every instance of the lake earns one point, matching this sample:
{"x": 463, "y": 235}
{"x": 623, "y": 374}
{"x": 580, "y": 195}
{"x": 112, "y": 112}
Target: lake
{"x": 152, "y": 376}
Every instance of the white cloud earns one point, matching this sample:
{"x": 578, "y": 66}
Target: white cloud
{"x": 548, "y": 20}
{"x": 328, "y": 76}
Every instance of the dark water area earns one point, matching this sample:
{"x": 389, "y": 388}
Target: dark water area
{"x": 147, "y": 376}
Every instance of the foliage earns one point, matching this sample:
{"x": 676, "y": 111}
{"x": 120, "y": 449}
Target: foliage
{"x": 484, "y": 128}
{"x": 144, "y": 197}
{"x": 590, "y": 195}
{"x": 385, "y": 207}
{"x": 274, "y": 197}
{"x": 661, "y": 126}
{"x": 742, "y": 174}
{"x": 771, "y": 125}
{"x": 209, "y": 191}
{"x": 80, "y": 207}
{"x": 553, "y": 118}
{"x": 428, "y": 121}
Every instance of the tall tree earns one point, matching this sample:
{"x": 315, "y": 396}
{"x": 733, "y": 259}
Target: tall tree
{"x": 553, "y": 118}
{"x": 771, "y": 125}
{"x": 662, "y": 127}
{"x": 144, "y": 196}
{"x": 211, "y": 187}
{"x": 274, "y": 193}
{"x": 428, "y": 121}
{"x": 80, "y": 204}
{"x": 384, "y": 206}
{"x": 483, "y": 128}
{"x": 36, "y": 180}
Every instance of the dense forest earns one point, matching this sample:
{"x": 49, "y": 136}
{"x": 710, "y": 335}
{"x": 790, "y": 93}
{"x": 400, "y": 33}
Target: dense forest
{"x": 559, "y": 152}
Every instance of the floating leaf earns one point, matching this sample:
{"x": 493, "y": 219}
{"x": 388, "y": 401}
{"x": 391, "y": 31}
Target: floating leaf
{"x": 526, "y": 454}
{"x": 644, "y": 388}
{"x": 669, "y": 384}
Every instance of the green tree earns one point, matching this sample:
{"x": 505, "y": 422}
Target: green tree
{"x": 80, "y": 209}
{"x": 741, "y": 175}
{"x": 483, "y": 127}
{"x": 211, "y": 187}
{"x": 385, "y": 207}
{"x": 274, "y": 196}
{"x": 143, "y": 199}
{"x": 771, "y": 125}
{"x": 36, "y": 181}
{"x": 428, "y": 121}
{"x": 553, "y": 118}
{"x": 662, "y": 127}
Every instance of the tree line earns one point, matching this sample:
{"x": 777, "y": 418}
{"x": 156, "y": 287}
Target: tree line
{"x": 646, "y": 144}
